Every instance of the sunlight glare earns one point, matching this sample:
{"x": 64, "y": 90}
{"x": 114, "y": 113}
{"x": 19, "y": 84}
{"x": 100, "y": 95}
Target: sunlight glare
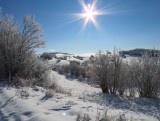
{"x": 89, "y": 13}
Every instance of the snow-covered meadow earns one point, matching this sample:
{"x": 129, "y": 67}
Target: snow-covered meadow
{"x": 80, "y": 99}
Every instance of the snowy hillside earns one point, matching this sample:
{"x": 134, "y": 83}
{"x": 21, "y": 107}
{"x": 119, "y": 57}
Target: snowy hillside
{"x": 76, "y": 100}
{"x": 81, "y": 98}
{"x": 63, "y": 58}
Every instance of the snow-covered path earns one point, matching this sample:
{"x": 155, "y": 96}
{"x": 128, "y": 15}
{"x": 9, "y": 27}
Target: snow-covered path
{"x": 72, "y": 85}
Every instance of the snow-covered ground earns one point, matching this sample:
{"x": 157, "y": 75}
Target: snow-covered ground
{"x": 69, "y": 57}
{"x": 82, "y": 98}
{"x": 72, "y": 57}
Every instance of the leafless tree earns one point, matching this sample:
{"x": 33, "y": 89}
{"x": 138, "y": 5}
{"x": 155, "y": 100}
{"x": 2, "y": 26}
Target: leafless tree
{"x": 17, "y": 44}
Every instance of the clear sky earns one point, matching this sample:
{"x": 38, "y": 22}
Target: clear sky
{"x": 130, "y": 24}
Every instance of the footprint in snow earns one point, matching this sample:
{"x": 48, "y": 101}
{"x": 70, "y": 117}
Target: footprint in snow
{"x": 28, "y": 113}
{"x": 64, "y": 108}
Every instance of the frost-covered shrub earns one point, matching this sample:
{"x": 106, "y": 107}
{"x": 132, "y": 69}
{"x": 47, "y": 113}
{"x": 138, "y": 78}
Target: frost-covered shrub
{"x": 103, "y": 117}
{"x": 146, "y": 76}
{"x": 24, "y": 94}
{"x": 57, "y": 88}
{"x": 80, "y": 78}
{"x": 50, "y": 93}
{"x": 63, "y": 58}
{"x": 78, "y": 57}
{"x": 110, "y": 72}
{"x": 60, "y": 70}
{"x": 121, "y": 118}
{"x": 73, "y": 70}
{"x": 83, "y": 117}
{"x": 117, "y": 76}
{"x": 17, "y": 44}
{"x": 20, "y": 81}
{"x": 40, "y": 74}
{"x": 47, "y": 56}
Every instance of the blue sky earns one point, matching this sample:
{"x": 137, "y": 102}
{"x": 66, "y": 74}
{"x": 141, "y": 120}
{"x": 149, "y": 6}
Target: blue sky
{"x": 131, "y": 24}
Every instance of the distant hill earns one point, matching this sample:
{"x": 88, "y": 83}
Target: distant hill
{"x": 50, "y": 55}
{"x": 141, "y": 52}
{"x": 134, "y": 53}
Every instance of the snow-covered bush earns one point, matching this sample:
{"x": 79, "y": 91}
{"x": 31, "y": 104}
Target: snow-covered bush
{"x": 23, "y": 93}
{"x": 40, "y": 74}
{"x": 61, "y": 69}
{"x": 17, "y": 44}
{"x": 74, "y": 70}
{"x": 78, "y": 57}
{"x": 47, "y": 56}
{"x": 80, "y": 78}
{"x": 146, "y": 76}
{"x": 110, "y": 72}
{"x": 50, "y": 93}
{"x": 83, "y": 117}
{"x": 104, "y": 117}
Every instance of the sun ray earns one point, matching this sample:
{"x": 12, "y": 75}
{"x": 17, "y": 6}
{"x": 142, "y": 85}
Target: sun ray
{"x": 89, "y": 14}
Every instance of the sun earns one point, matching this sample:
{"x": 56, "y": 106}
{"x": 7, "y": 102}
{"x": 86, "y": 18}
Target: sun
{"x": 89, "y": 13}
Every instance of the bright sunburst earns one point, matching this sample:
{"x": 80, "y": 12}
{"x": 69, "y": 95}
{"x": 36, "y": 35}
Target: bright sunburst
{"x": 89, "y": 13}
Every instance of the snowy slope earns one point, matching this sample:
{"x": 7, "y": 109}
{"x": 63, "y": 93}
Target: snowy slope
{"x": 69, "y": 57}
{"x": 83, "y": 99}
{"x": 72, "y": 57}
